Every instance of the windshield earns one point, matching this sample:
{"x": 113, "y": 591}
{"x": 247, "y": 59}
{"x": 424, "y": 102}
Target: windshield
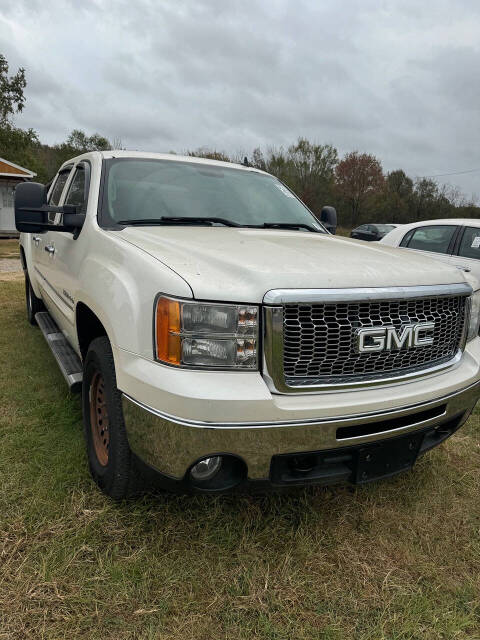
{"x": 144, "y": 189}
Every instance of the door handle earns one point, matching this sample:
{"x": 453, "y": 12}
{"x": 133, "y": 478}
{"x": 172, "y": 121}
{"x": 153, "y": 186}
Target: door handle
{"x": 50, "y": 248}
{"x": 36, "y": 240}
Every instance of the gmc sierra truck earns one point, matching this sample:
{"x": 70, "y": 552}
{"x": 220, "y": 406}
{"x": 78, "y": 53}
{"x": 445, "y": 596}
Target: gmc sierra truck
{"x": 223, "y": 337}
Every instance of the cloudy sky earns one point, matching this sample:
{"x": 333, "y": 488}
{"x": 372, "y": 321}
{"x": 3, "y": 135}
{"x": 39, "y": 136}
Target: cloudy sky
{"x": 397, "y": 78}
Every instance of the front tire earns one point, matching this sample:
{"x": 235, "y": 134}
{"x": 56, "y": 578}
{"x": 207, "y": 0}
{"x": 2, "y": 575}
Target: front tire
{"x": 33, "y": 304}
{"x": 109, "y": 455}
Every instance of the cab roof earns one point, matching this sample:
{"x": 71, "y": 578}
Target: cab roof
{"x": 173, "y": 157}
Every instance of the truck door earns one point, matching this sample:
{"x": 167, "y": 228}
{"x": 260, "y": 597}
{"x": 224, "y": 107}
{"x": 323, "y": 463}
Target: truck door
{"x": 43, "y": 246}
{"x": 467, "y": 252}
{"x": 70, "y": 251}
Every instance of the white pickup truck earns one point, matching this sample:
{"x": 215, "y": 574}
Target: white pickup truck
{"x": 223, "y": 338}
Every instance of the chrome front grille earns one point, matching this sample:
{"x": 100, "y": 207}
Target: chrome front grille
{"x": 319, "y": 338}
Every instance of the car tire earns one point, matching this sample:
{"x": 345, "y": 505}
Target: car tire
{"x": 33, "y": 304}
{"x": 109, "y": 456}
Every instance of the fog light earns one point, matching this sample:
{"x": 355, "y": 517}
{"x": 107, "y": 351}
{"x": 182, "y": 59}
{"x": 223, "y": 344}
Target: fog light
{"x": 206, "y": 468}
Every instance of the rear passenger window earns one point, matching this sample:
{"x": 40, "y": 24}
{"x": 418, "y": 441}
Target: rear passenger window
{"x": 435, "y": 238}
{"x": 470, "y": 244}
{"x": 76, "y": 191}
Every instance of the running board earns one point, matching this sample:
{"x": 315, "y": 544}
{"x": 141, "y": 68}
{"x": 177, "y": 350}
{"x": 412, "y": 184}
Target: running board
{"x": 68, "y": 361}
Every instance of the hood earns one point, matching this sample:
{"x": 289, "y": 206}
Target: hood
{"x": 224, "y": 263}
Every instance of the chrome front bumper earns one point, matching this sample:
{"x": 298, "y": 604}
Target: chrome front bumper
{"x": 172, "y": 445}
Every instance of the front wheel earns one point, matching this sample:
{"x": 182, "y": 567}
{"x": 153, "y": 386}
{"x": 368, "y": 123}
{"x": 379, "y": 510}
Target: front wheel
{"x": 109, "y": 456}
{"x": 33, "y": 304}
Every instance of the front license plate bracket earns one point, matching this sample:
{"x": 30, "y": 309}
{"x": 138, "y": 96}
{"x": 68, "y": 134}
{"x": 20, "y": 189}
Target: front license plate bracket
{"x": 387, "y": 458}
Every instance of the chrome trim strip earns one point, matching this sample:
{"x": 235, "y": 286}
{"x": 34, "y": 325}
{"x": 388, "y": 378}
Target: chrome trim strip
{"x": 412, "y": 425}
{"x": 343, "y": 420}
{"x": 284, "y": 296}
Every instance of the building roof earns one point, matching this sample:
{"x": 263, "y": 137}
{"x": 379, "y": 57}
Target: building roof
{"x": 12, "y": 170}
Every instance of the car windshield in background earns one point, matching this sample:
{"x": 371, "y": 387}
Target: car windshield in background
{"x": 384, "y": 228}
{"x": 143, "y": 189}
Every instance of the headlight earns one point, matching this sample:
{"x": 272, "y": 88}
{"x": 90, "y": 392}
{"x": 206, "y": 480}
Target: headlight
{"x": 473, "y": 325}
{"x": 204, "y": 334}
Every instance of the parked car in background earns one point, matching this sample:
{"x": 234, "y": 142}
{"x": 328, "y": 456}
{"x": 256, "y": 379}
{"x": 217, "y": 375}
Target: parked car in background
{"x": 372, "y": 231}
{"x": 456, "y": 241}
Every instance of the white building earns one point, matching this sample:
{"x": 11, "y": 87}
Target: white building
{"x": 10, "y": 175}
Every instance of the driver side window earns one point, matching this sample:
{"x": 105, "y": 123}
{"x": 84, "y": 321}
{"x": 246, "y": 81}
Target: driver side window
{"x": 76, "y": 192}
{"x": 56, "y": 193}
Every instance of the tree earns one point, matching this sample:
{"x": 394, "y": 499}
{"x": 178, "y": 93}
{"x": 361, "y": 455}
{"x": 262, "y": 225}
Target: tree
{"x": 425, "y": 195}
{"x": 396, "y": 201}
{"x": 212, "y": 154}
{"x": 358, "y": 177}
{"x": 312, "y": 167}
{"x": 258, "y": 161}
{"x": 77, "y": 143}
{"x": 22, "y": 147}
{"x": 12, "y": 99}
{"x": 399, "y": 183}
{"x": 81, "y": 143}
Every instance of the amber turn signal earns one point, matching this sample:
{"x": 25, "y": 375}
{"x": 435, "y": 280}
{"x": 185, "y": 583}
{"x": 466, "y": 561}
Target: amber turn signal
{"x": 167, "y": 331}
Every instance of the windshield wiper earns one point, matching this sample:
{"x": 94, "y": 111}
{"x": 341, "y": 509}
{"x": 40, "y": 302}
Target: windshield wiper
{"x": 179, "y": 220}
{"x": 187, "y": 220}
{"x": 285, "y": 225}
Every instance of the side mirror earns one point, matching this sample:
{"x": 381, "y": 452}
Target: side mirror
{"x": 30, "y": 197}
{"x": 31, "y": 210}
{"x": 328, "y": 217}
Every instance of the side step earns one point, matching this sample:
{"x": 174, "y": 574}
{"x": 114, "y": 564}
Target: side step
{"x": 68, "y": 361}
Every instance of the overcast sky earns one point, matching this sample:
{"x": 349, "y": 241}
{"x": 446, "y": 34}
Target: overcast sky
{"x": 399, "y": 79}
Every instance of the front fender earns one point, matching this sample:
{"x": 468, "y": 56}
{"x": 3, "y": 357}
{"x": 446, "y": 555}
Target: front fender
{"x": 121, "y": 292}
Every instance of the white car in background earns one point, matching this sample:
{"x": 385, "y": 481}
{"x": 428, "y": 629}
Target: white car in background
{"x": 453, "y": 240}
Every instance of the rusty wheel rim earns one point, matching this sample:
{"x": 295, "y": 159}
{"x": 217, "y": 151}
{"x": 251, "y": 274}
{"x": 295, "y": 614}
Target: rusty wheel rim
{"x": 99, "y": 422}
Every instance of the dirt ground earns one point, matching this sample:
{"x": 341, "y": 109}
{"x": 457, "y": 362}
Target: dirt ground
{"x": 10, "y": 269}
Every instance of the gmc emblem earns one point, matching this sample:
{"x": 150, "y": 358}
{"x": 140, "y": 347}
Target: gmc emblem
{"x": 371, "y": 339}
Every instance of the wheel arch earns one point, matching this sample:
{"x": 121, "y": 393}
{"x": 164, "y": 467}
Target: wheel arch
{"x": 23, "y": 258}
{"x": 88, "y": 326}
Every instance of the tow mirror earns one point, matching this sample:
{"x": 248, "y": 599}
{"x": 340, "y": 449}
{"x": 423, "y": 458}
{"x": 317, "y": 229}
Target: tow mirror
{"x": 328, "y": 217}
{"x": 30, "y": 197}
{"x": 31, "y": 211}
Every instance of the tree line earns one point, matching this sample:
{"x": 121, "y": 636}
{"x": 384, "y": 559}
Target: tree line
{"x": 356, "y": 184}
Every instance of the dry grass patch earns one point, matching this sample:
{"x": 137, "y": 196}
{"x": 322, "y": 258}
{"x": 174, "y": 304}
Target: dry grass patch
{"x": 395, "y": 560}
{"x": 9, "y": 248}
{"x": 344, "y": 231}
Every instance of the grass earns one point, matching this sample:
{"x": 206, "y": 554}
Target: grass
{"x": 343, "y": 231}
{"x": 9, "y": 248}
{"x": 396, "y": 560}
